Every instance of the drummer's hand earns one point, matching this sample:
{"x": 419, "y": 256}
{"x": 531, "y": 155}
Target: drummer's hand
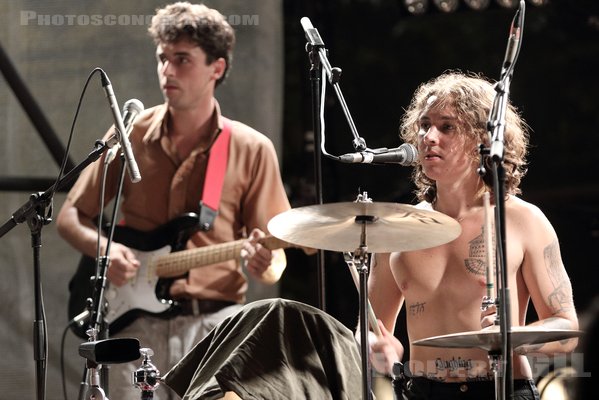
{"x": 384, "y": 350}
{"x": 488, "y": 316}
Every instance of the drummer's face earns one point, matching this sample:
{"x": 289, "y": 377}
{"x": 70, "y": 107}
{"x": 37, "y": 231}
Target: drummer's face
{"x": 441, "y": 144}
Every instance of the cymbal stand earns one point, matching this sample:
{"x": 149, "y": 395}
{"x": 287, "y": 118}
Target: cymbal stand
{"x": 495, "y": 363}
{"x": 353, "y": 269}
{"x": 361, "y": 259}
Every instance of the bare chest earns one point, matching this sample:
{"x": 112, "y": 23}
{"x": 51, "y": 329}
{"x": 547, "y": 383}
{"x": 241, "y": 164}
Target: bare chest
{"x": 455, "y": 272}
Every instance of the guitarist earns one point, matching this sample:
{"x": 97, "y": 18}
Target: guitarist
{"x": 172, "y": 144}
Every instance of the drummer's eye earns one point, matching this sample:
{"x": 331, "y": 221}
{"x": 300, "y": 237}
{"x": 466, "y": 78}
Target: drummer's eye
{"x": 448, "y": 128}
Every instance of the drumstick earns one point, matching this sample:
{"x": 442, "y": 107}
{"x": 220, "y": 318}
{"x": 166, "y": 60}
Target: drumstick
{"x": 489, "y": 249}
{"x": 371, "y": 317}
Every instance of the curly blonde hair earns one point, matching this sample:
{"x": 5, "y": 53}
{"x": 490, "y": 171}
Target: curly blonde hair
{"x": 471, "y": 96}
{"x": 204, "y": 26}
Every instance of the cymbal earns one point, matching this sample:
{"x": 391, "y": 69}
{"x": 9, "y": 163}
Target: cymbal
{"x": 388, "y": 227}
{"x": 490, "y": 338}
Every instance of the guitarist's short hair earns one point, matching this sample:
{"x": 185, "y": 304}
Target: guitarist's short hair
{"x": 204, "y": 26}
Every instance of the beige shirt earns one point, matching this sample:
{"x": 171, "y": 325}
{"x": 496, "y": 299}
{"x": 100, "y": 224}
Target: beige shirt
{"x": 252, "y": 194}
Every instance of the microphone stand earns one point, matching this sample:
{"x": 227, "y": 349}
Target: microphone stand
{"x": 312, "y": 47}
{"x": 98, "y": 328}
{"x": 319, "y": 66}
{"x": 33, "y": 212}
{"x": 496, "y": 128}
{"x": 319, "y": 63}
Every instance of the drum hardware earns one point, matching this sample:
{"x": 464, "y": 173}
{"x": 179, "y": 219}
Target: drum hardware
{"x": 338, "y": 226}
{"x": 490, "y": 339}
{"x": 490, "y": 250}
{"x": 147, "y": 377}
{"x": 345, "y": 227}
{"x": 100, "y": 352}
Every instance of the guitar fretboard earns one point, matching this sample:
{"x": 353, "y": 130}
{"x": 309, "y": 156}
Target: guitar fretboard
{"x": 176, "y": 264}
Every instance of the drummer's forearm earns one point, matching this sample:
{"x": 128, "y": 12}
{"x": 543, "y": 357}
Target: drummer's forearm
{"x": 551, "y": 348}
{"x": 562, "y": 346}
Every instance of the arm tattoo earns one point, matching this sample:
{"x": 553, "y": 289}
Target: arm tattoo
{"x": 560, "y": 298}
{"x": 476, "y": 261}
{"x": 416, "y": 309}
{"x": 552, "y": 263}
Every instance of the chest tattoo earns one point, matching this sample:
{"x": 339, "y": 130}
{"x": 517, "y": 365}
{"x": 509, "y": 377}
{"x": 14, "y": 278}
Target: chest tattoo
{"x": 476, "y": 261}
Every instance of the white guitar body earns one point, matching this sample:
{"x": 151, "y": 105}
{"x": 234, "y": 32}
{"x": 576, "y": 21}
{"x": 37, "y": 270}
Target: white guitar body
{"x": 139, "y": 295}
{"x": 139, "y": 292}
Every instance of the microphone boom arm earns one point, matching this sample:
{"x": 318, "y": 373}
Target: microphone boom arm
{"x": 317, "y": 50}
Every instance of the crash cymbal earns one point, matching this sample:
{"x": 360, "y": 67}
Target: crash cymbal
{"x": 490, "y": 338}
{"x": 388, "y": 227}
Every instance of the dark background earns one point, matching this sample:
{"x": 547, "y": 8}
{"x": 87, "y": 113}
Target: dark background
{"x": 385, "y": 53}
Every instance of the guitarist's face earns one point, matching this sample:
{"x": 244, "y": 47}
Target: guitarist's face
{"x": 186, "y": 78}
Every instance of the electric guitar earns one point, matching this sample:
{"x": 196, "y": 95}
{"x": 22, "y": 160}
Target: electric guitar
{"x": 162, "y": 257}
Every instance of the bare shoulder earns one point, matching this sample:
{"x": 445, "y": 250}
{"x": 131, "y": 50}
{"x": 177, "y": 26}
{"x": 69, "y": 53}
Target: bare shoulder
{"x": 527, "y": 217}
{"x": 517, "y": 207}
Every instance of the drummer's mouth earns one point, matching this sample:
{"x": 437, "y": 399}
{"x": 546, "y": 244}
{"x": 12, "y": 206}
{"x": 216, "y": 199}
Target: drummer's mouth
{"x": 432, "y": 156}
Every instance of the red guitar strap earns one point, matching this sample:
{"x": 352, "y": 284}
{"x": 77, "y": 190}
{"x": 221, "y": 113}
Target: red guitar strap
{"x": 215, "y": 176}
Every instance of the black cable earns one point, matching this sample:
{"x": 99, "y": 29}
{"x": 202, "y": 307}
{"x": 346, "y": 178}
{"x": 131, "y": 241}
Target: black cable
{"x": 67, "y": 150}
{"x": 62, "y": 374}
{"x": 49, "y": 215}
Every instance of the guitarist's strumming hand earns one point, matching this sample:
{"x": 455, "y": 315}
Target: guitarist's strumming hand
{"x": 123, "y": 264}
{"x": 260, "y": 262}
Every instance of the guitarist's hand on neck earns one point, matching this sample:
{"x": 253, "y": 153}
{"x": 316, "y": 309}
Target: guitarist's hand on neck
{"x": 261, "y": 263}
{"x": 123, "y": 264}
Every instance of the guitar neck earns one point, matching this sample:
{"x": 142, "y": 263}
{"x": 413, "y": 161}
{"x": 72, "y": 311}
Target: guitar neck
{"x": 176, "y": 264}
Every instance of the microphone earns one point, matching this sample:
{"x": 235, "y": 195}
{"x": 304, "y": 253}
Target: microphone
{"x": 131, "y": 110}
{"x": 513, "y": 44}
{"x": 118, "y": 123}
{"x": 312, "y": 34}
{"x": 405, "y": 155}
